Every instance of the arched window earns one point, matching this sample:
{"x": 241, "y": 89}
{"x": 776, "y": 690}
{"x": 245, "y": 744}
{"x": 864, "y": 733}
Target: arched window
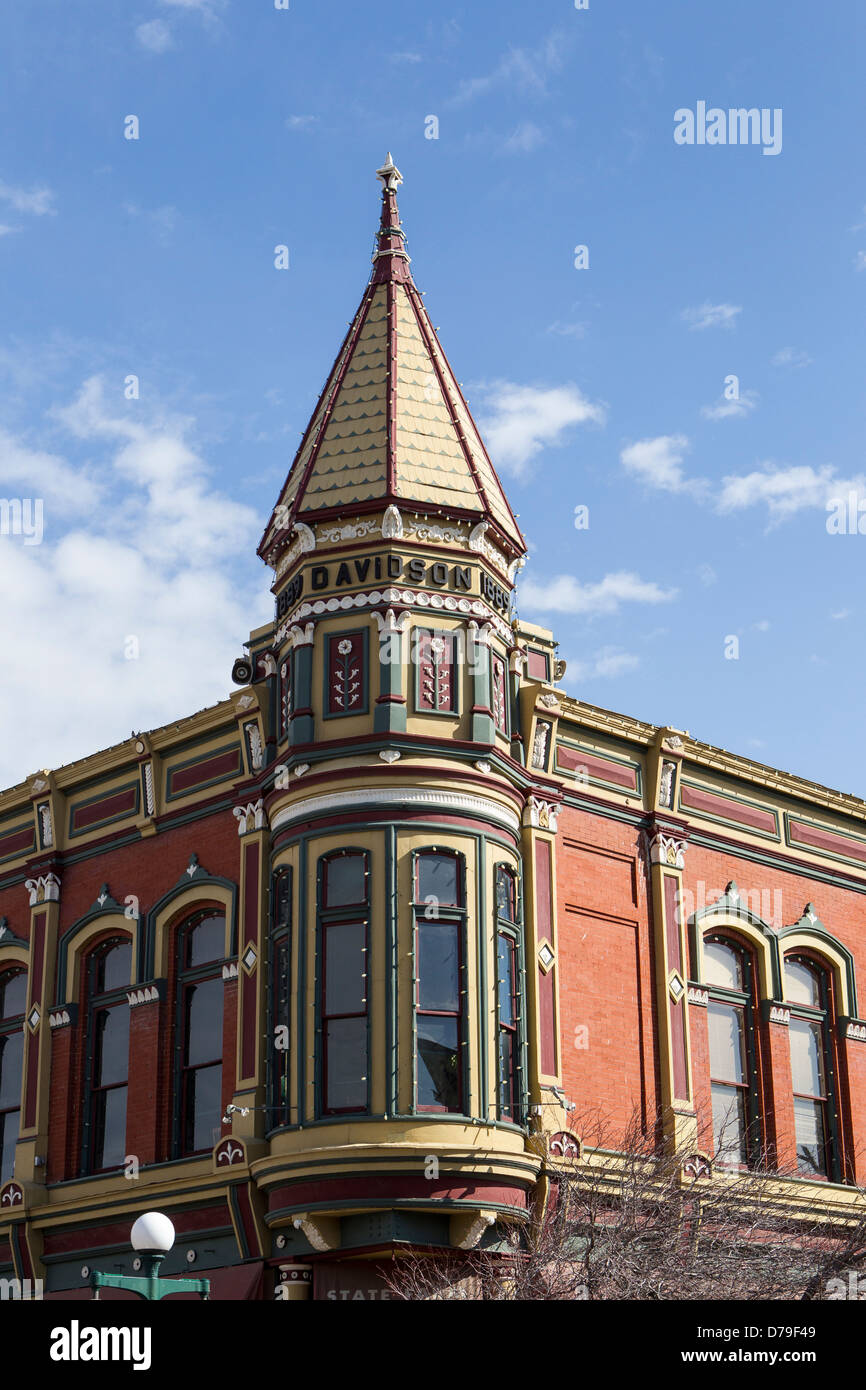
{"x": 728, "y": 976}
{"x": 508, "y": 1013}
{"x": 439, "y": 989}
{"x": 200, "y": 1032}
{"x": 281, "y": 968}
{"x": 807, "y": 992}
{"x": 107, "y": 1066}
{"x": 344, "y": 905}
{"x": 13, "y": 1002}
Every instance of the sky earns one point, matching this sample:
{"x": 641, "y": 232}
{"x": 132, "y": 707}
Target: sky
{"x": 676, "y": 409}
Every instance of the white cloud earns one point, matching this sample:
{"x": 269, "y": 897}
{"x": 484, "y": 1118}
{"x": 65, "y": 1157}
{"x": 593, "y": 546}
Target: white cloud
{"x": 300, "y": 122}
{"x": 567, "y": 330}
{"x": 731, "y": 409}
{"x": 762, "y": 625}
{"x": 203, "y": 6}
{"x": 519, "y": 421}
{"x": 144, "y": 557}
{"x": 526, "y": 69}
{"x": 786, "y": 491}
{"x": 658, "y": 463}
{"x": 841, "y": 615}
{"x": 163, "y": 220}
{"x": 860, "y": 260}
{"x": 712, "y": 315}
{"x": 64, "y": 489}
{"x": 790, "y": 357}
{"x": 526, "y": 138}
{"x": 565, "y": 594}
{"x": 36, "y": 201}
{"x": 155, "y": 36}
{"x": 6, "y": 230}
{"x": 404, "y": 57}
{"x": 605, "y": 664}
{"x": 707, "y": 575}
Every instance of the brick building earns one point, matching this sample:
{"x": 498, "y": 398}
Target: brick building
{"x": 318, "y": 971}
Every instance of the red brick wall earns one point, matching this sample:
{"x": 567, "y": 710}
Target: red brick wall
{"x": 605, "y": 970}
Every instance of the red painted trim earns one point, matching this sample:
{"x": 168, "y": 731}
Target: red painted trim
{"x": 729, "y": 810}
{"x": 826, "y": 840}
{"x": 361, "y": 319}
{"x": 427, "y": 331}
{"x": 83, "y": 816}
{"x": 471, "y": 1191}
{"x": 188, "y": 778}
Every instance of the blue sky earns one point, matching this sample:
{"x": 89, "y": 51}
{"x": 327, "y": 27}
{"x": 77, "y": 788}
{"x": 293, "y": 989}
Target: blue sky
{"x": 600, "y": 387}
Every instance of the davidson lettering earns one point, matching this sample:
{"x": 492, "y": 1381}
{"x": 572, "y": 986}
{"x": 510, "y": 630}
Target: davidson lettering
{"x": 377, "y": 567}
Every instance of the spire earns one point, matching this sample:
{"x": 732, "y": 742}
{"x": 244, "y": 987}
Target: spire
{"x": 391, "y": 425}
{"x": 390, "y": 261}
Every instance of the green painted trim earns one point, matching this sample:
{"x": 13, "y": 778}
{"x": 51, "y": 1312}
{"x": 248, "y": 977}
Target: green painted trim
{"x": 325, "y": 917}
{"x": 199, "y": 880}
{"x": 800, "y": 848}
{"x": 328, "y": 638}
{"x": 456, "y": 677}
{"x": 303, "y": 934}
{"x": 171, "y": 768}
{"x": 482, "y": 1010}
{"x": 777, "y": 861}
{"x": 21, "y": 853}
{"x": 605, "y": 756}
{"x": 141, "y": 963}
{"x": 723, "y": 820}
{"x": 302, "y": 727}
{"x": 109, "y": 820}
{"x": 392, "y": 977}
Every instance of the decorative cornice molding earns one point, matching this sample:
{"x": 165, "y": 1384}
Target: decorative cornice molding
{"x": 405, "y": 598}
{"x": 449, "y": 801}
{"x": 392, "y": 524}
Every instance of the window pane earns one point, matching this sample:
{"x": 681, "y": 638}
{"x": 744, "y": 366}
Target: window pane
{"x": 506, "y": 1073}
{"x": 204, "y": 1022}
{"x": 807, "y": 1060}
{"x": 8, "y": 1138}
{"x": 729, "y": 1124}
{"x": 344, "y": 968}
{"x": 114, "y": 968}
{"x": 437, "y": 878}
{"x": 345, "y": 880}
{"x": 280, "y": 1073}
{"x": 802, "y": 985}
{"x": 283, "y": 903}
{"x": 11, "y": 1056}
{"x": 109, "y": 1120}
{"x": 505, "y": 896}
{"x": 13, "y": 994}
{"x": 505, "y": 968}
{"x": 438, "y": 967}
{"x": 203, "y": 1107}
{"x": 346, "y": 1064}
{"x": 111, "y": 1059}
{"x": 811, "y": 1141}
{"x": 438, "y": 1063}
{"x": 726, "y": 1042}
{"x": 207, "y": 941}
{"x": 722, "y": 965}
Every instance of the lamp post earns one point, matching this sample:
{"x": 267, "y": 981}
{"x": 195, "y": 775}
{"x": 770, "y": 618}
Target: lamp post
{"x": 153, "y": 1236}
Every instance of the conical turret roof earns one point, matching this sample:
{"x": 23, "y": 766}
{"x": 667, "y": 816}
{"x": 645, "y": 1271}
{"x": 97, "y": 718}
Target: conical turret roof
{"x": 391, "y": 425}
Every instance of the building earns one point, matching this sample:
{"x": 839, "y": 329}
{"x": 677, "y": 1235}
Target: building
{"x": 319, "y": 970}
